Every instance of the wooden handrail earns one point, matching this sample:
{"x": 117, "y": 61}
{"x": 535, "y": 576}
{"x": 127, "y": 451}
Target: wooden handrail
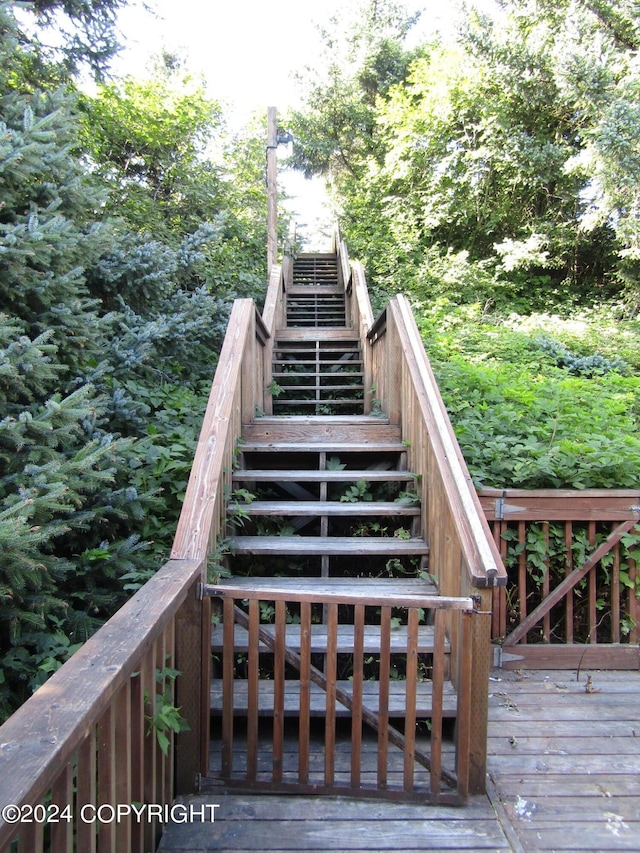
{"x": 235, "y": 392}
{"x": 482, "y": 560}
{"x": 41, "y": 738}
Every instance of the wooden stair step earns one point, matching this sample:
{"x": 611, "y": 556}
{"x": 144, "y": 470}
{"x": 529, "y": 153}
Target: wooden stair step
{"x": 370, "y": 698}
{"x": 319, "y": 639}
{"x": 340, "y": 333}
{"x": 326, "y": 388}
{"x": 324, "y": 289}
{"x": 329, "y": 508}
{"x": 330, "y": 434}
{"x": 306, "y": 476}
{"x": 320, "y": 447}
{"x": 314, "y": 546}
{"x": 331, "y": 401}
{"x": 318, "y": 364}
{"x": 414, "y": 589}
{"x": 310, "y": 348}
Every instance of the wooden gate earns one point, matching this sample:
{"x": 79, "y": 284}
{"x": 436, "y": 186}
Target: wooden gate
{"x": 374, "y": 665}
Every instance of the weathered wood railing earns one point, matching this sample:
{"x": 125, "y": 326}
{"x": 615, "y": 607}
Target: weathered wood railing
{"x": 572, "y": 595}
{"x": 84, "y": 744}
{"x": 369, "y": 702}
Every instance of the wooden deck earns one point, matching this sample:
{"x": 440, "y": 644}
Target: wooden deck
{"x": 564, "y": 774}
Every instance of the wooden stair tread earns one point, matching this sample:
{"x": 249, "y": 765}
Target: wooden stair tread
{"x": 324, "y": 288}
{"x": 317, "y": 363}
{"x": 397, "y": 698}
{"x": 288, "y": 348}
{"x": 326, "y": 388}
{"x": 314, "y": 446}
{"x": 332, "y": 401}
{"x": 319, "y": 639}
{"x": 338, "y": 333}
{"x": 308, "y": 476}
{"x": 339, "y": 508}
{"x": 326, "y": 545}
{"x": 320, "y": 433}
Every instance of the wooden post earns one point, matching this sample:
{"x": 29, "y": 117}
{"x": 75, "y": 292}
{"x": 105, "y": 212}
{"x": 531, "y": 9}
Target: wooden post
{"x": 272, "y": 188}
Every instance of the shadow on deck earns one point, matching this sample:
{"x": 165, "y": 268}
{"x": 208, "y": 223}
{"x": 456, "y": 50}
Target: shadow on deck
{"x": 564, "y": 769}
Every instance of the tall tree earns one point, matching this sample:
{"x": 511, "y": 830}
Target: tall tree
{"x": 364, "y": 56}
{"x": 513, "y": 150}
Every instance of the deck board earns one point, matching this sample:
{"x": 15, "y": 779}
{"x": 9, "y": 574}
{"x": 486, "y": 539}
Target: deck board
{"x": 564, "y": 769}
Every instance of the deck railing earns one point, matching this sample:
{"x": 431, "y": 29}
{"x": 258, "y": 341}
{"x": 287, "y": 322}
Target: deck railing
{"x": 573, "y": 590}
{"x": 86, "y": 742}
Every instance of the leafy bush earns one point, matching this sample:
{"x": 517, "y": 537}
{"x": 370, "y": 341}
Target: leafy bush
{"x": 520, "y": 419}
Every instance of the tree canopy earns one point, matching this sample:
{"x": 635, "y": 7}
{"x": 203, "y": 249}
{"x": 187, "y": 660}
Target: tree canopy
{"x": 125, "y": 232}
{"x": 512, "y": 143}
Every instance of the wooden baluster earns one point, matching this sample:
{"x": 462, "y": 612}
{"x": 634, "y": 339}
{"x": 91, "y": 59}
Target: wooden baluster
{"x": 148, "y": 674}
{"x": 463, "y": 727}
{"x": 437, "y": 700}
{"x": 122, "y": 709}
{"x": 305, "y": 692}
{"x": 546, "y": 619}
{"x": 86, "y": 785}
{"x": 138, "y": 724}
{"x": 593, "y": 590}
{"x": 31, "y": 838}
{"x": 634, "y": 610}
{"x": 253, "y": 689}
{"x": 331, "y": 674}
{"x": 356, "y": 713}
{"x": 278, "y": 691}
{"x": 161, "y": 681}
{"x": 383, "y": 696}
{"x": 62, "y": 797}
{"x": 568, "y": 550}
{"x": 410, "y": 699}
{"x": 107, "y": 778}
{"x": 228, "y": 655}
{"x": 615, "y": 595}
{"x": 169, "y": 760}
{"x": 522, "y": 572}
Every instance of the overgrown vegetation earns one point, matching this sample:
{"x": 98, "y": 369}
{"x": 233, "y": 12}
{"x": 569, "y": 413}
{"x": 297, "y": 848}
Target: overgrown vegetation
{"x": 126, "y": 229}
{"x": 497, "y": 186}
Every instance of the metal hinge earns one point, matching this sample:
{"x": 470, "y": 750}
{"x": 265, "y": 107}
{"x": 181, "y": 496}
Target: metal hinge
{"x": 500, "y": 657}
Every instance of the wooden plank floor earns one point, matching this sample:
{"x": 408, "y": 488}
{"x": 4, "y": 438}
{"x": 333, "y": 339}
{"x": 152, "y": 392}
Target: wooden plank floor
{"x": 564, "y": 756}
{"x": 564, "y": 774}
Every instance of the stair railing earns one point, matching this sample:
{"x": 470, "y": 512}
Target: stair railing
{"x": 463, "y": 557}
{"x": 86, "y": 756}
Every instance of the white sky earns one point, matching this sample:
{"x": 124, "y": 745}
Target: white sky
{"x": 248, "y": 52}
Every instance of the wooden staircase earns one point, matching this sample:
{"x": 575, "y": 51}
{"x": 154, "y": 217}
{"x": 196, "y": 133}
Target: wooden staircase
{"x": 317, "y": 359}
{"x": 324, "y": 536}
{"x": 363, "y": 575}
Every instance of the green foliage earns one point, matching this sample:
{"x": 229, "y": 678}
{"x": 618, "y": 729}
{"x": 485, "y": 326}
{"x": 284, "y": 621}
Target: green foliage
{"x": 357, "y": 492}
{"x": 121, "y": 251}
{"x": 524, "y": 421}
{"x": 166, "y": 718}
